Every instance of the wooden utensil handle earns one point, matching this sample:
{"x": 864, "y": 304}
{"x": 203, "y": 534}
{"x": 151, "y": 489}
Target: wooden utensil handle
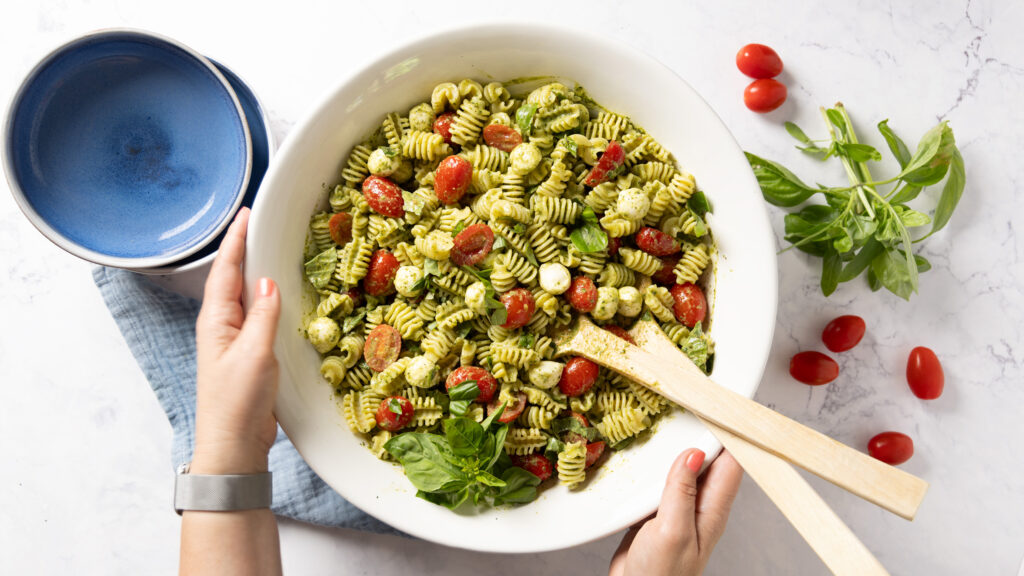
{"x": 875, "y": 481}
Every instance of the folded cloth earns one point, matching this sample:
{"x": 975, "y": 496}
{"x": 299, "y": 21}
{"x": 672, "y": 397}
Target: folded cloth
{"x": 159, "y": 327}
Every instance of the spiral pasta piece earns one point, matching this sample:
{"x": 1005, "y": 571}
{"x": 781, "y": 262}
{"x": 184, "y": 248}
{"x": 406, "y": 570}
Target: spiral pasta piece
{"x": 485, "y": 157}
{"x": 572, "y": 462}
{"x": 692, "y": 264}
{"x": 469, "y": 121}
{"x": 639, "y": 261}
{"x": 355, "y": 170}
{"x": 424, "y": 146}
{"x": 626, "y": 423}
{"x": 520, "y": 441}
{"x": 659, "y": 302}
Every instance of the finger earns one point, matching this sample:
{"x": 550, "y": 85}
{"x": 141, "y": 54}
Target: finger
{"x": 679, "y": 499}
{"x": 261, "y": 321}
{"x": 721, "y": 483}
{"x": 224, "y": 284}
{"x": 618, "y": 563}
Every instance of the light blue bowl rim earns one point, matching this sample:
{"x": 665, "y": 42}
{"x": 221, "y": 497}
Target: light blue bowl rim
{"x": 67, "y": 244}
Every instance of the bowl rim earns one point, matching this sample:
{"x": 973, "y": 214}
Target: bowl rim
{"x": 306, "y": 125}
{"x": 173, "y": 267}
{"x": 51, "y": 233}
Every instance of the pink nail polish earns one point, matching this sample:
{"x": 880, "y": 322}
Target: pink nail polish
{"x": 266, "y": 287}
{"x": 695, "y": 460}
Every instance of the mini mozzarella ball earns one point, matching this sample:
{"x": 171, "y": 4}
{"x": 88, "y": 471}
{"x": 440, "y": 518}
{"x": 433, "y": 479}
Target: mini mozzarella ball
{"x": 554, "y": 277}
{"x": 404, "y": 171}
{"x": 476, "y": 296}
{"x": 324, "y": 334}
{"x": 546, "y": 374}
{"x": 607, "y": 303}
{"x": 421, "y": 117}
{"x": 420, "y": 372}
{"x": 381, "y": 164}
{"x": 631, "y": 302}
{"x": 524, "y": 158}
{"x": 633, "y": 203}
{"x": 406, "y": 279}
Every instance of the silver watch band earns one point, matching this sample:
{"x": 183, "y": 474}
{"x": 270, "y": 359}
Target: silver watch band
{"x": 221, "y": 492}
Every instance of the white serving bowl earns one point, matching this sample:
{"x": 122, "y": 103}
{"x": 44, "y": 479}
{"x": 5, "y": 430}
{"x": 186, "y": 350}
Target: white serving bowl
{"x": 627, "y": 488}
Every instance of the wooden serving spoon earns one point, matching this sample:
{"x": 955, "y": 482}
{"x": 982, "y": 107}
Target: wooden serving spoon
{"x": 681, "y": 382}
{"x": 827, "y": 535}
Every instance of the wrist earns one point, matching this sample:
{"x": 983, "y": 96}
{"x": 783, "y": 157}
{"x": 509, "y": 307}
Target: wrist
{"x": 229, "y": 458}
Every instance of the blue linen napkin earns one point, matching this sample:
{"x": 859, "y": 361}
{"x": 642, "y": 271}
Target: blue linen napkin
{"x": 159, "y": 327}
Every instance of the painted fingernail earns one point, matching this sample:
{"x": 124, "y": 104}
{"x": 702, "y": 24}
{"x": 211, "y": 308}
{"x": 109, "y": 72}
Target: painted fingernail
{"x": 266, "y": 288}
{"x": 695, "y": 460}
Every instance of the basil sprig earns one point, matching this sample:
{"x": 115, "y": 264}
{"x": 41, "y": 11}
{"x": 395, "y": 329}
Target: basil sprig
{"x": 865, "y": 227}
{"x": 589, "y": 237}
{"x": 524, "y": 118}
{"x": 321, "y": 267}
{"x": 461, "y": 396}
{"x": 467, "y": 463}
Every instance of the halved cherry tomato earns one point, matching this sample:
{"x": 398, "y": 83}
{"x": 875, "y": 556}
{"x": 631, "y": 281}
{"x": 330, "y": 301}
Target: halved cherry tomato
{"x": 520, "y": 305}
{"x": 582, "y": 294}
{"x": 655, "y": 242}
{"x": 390, "y": 420}
{"x": 813, "y": 368}
{"x": 613, "y": 157}
{"x": 502, "y": 137}
{"x": 689, "y": 304}
{"x": 340, "y": 226}
{"x": 384, "y": 196}
{"x": 924, "y": 374}
{"x": 569, "y": 436}
{"x": 382, "y": 347}
{"x": 891, "y": 447}
{"x": 443, "y": 126}
{"x": 594, "y": 452}
{"x": 843, "y": 333}
{"x": 764, "y": 95}
{"x": 666, "y": 276}
{"x": 578, "y": 376}
{"x": 484, "y": 381}
{"x": 472, "y": 244}
{"x": 536, "y": 464}
{"x": 512, "y": 411}
{"x": 758, "y": 61}
{"x": 452, "y": 179}
{"x": 380, "y": 279}
{"x": 613, "y": 246}
{"x": 356, "y": 295}
{"x": 620, "y": 332}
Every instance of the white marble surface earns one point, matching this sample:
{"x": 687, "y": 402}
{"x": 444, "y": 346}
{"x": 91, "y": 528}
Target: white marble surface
{"x": 85, "y": 484}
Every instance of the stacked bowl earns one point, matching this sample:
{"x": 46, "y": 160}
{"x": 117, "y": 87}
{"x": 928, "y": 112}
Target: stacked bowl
{"x": 129, "y": 149}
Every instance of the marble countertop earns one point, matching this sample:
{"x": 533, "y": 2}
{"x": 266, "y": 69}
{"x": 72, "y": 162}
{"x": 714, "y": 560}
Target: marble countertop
{"x": 86, "y": 482}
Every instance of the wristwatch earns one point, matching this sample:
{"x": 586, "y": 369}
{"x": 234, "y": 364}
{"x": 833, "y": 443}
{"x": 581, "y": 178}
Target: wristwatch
{"x": 221, "y": 492}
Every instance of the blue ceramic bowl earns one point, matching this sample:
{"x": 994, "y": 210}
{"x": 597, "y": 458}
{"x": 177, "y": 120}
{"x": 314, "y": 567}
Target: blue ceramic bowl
{"x": 127, "y": 149}
{"x": 262, "y": 150}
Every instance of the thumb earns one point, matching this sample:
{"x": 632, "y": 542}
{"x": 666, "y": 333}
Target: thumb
{"x": 261, "y": 321}
{"x": 678, "y": 508}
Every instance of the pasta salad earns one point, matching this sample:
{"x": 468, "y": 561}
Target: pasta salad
{"x": 462, "y": 234}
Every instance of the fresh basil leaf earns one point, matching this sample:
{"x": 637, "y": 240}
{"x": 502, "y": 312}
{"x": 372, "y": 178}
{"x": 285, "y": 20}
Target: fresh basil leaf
{"x": 389, "y": 151}
{"x": 524, "y": 118}
{"x": 699, "y": 203}
{"x": 431, "y": 267}
{"x": 951, "y": 193}
{"x": 462, "y": 330}
{"x": 831, "y": 267}
{"x": 873, "y": 281}
{"x": 860, "y": 228}
{"x": 923, "y": 265}
{"x": 450, "y": 500}
{"x": 861, "y": 152}
{"x": 498, "y": 449}
{"x": 573, "y": 425}
{"x": 526, "y": 340}
{"x": 553, "y": 447}
{"x": 905, "y": 193}
{"x": 779, "y": 186}
{"x": 844, "y": 243}
{"x": 499, "y": 243}
{"x": 459, "y": 227}
{"x": 464, "y": 436}
{"x": 320, "y": 269}
{"x": 797, "y": 133}
{"x": 441, "y": 399}
{"x": 413, "y": 203}
{"x": 890, "y": 269}
{"x": 622, "y": 444}
{"x": 466, "y": 390}
{"x": 932, "y": 159}
{"x": 589, "y": 216}
{"x": 896, "y": 146}
{"x": 700, "y": 228}
{"x": 486, "y": 424}
{"x": 589, "y": 238}
{"x": 861, "y": 260}
{"x": 570, "y": 146}
{"x": 499, "y": 316}
{"x": 913, "y": 218}
{"x": 488, "y": 479}
{"x": 615, "y": 172}
{"x": 519, "y": 228}
{"x": 520, "y": 486}
{"x": 350, "y": 322}
{"x": 836, "y": 118}
{"x": 459, "y": 407}
{"x": 696, "y": 347}
{"x": 395, "y": 405}
{"x": 426, "y": 459}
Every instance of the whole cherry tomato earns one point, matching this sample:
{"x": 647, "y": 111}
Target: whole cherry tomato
{"x": 758, "y": 61}
{"x": 452, "y": 179}
{"x": 380, "y": 279}
{"x": 891, "y": 447}
{"x": 520, "y": 305}
{"x": 843, "y": 333}
{"x": 382, "y": 347}
{"x": 655, "y": 242}
{"x": 472, "y": 244}
{"x": 924, "y": 374}
{"x": 502, "y": 137}
{"x": 689, "y": 304}
{"x": 764, "y": 95}
{"x": 512, "y": 411}
{"x": 340, "y": 227}
{"x": 484, "y": 381}
{"x": 395, "y": 413}
{"x": 666, "y": 276}
{"x": 443, "y": 126}
{"x": 578, "y": 376}
{"x": 613, "y": 157}
{"x": 582, "y": 294}
{"x": 813, "y": 368}
{"x": 384, "y": 196}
